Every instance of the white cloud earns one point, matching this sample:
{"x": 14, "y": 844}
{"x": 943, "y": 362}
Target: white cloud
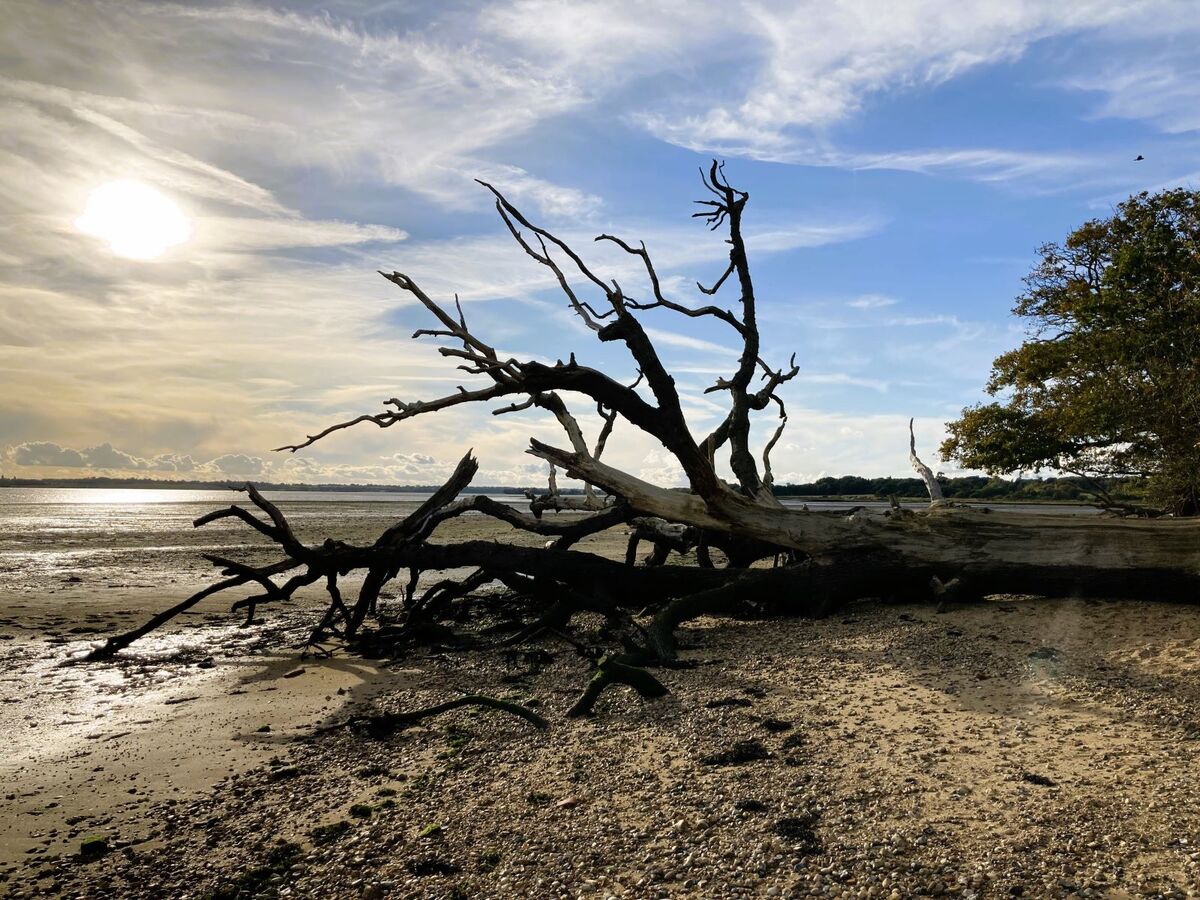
{"x": 106, "y": 456}
{"x": 423, "y": 105}
{"x": 660, "y": 467}
{"x": 1165, "y": 91}
{"x": 872, "y": 301}
{"x": 237, "y": 464}
{"x": 979, "y": 164}
{"x": 874, "y": 384}
{"x": 50, "y": 454}
{"x": 46, "y": 453}
{"x": 412, "y": 107}
{"x": 987, "y": 164}
{"x": 173, "y": 462}
{"x": 674, "y": 339}
{"x": 818, "y": 443}
{"x": 47, "y": 459}
{"x": 170, "y": 168}
{"x": 249, "y": 235}
{"x": 525, "y": 190}
{"x": 816, "y": 64}
{"x": 414, "y": 459}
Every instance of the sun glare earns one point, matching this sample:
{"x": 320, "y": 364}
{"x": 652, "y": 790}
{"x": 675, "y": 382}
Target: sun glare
{"x": 137, "y": 221}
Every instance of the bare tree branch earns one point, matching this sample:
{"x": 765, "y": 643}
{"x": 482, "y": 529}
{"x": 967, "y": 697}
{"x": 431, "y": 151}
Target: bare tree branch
{"x": 768, "y": 475}
{"x": 660, "y": 301}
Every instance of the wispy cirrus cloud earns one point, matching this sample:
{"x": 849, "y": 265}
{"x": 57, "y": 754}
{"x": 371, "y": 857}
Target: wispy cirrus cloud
{"x": 985, "y": 164}
{"x": 674, "y": 339}
{"x": 1164, "y": 90}
{"x": 816, "y": 65}
{"x": 872, "y": 301}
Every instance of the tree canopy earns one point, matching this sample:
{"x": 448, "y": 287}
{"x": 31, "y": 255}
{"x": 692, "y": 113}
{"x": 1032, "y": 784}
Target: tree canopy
{"x": 1107, "y": 385}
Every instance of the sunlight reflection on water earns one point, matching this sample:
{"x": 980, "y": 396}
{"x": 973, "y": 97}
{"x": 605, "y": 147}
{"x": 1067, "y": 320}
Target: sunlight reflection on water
{"x": 111, "y": 496}
{"x": 86, "y": 701}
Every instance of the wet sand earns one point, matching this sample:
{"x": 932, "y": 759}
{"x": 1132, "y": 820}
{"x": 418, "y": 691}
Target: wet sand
{"x": 93, "y": 748}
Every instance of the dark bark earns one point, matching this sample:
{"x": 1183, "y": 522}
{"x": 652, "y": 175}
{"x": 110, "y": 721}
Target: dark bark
{"x": 821, "y": 561}
{"x": 614, "y": 670}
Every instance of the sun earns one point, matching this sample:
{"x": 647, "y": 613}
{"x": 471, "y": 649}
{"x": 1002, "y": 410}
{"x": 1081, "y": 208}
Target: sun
{"x": 137, "y": 221}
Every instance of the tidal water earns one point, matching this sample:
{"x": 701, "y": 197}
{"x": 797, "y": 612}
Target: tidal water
{"x": 70, "y": 531}
{"x": 67, "y": 531}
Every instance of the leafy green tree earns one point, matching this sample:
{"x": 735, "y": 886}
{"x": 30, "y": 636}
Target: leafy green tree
{"x": 1107, "y": 385}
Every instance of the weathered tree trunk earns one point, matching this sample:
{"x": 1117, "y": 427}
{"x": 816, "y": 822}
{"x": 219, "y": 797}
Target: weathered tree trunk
{"x": 1002, "y": 551}
{"x": 827, "y": 558}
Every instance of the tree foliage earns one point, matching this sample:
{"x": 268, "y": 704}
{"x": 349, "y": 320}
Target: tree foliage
{"x": 1107, "y": 384}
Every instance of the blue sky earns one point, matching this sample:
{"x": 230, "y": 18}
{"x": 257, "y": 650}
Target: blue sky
{"x": 904, "y": 161}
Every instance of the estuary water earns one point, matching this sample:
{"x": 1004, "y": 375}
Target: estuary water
{"x": 73, "y": 531}
{"x": 63, "y": 531}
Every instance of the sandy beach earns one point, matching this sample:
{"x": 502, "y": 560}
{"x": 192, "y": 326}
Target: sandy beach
{"x": 93, "y": 749}
{"x": 1016, "y": 747}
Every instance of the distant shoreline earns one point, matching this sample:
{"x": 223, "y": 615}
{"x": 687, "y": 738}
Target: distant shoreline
{"x": 784, "y": 494}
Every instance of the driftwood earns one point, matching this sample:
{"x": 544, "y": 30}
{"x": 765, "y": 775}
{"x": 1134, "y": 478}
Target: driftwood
{"x": 820, "y": 560}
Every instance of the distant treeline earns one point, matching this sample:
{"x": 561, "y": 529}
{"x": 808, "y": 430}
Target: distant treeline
{"x": 185, "y": 485}
{"x": 972, "y": 487}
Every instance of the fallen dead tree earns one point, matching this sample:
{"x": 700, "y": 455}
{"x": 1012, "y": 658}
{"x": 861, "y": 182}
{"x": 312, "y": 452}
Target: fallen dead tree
{"x": 818, "y": 560}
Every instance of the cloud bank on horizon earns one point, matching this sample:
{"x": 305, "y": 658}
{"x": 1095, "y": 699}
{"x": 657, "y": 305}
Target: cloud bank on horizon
{"x": 904, "y": 162}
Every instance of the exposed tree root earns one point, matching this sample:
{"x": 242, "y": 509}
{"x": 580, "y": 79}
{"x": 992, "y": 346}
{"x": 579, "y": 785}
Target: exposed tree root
{"x": 616, "y": 670}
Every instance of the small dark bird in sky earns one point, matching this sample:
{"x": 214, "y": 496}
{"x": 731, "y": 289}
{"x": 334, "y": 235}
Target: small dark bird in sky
{"x": 1138, "y": 158}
